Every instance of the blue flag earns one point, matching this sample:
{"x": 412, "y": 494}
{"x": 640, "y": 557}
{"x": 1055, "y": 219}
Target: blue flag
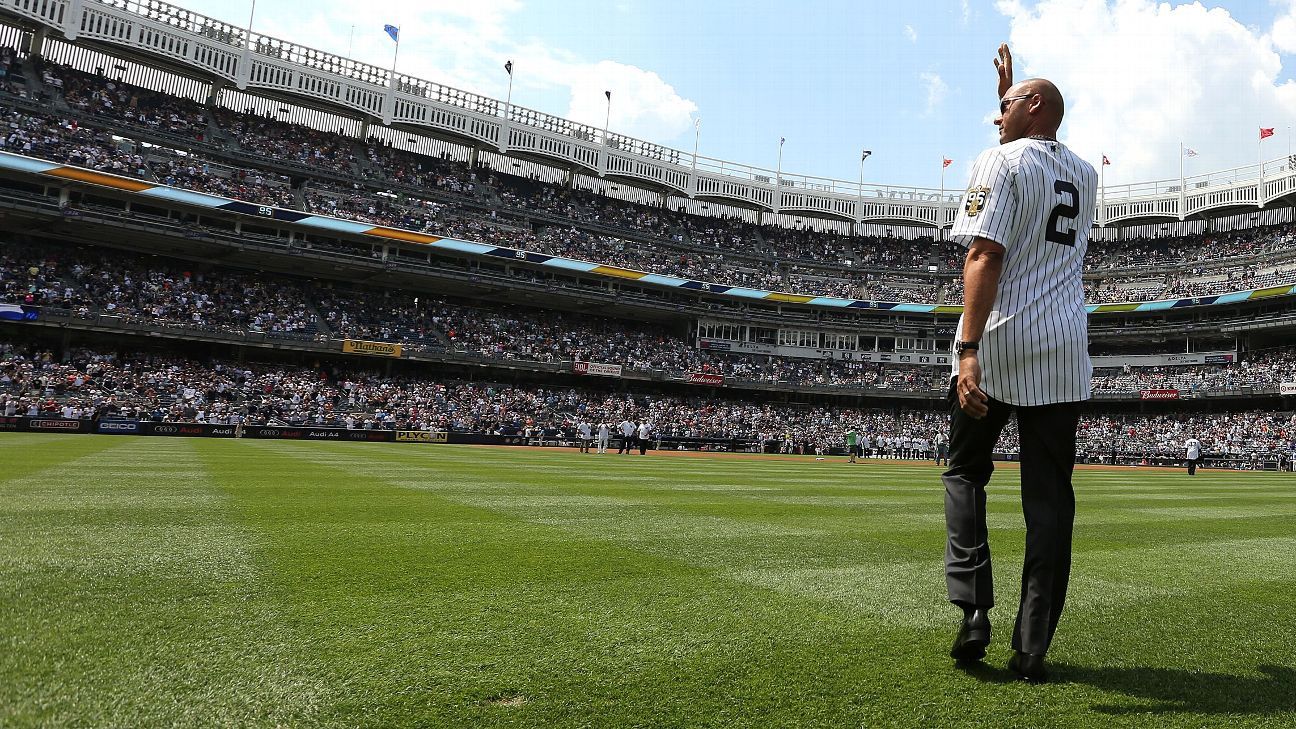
{"x": 393, "y": 31}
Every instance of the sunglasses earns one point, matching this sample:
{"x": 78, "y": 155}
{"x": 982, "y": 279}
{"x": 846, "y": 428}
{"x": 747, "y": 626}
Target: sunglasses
{"x": 1005, "y": 101}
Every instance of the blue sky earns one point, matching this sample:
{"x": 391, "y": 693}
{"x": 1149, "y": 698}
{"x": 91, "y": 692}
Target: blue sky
{"x": 911, "y": 81}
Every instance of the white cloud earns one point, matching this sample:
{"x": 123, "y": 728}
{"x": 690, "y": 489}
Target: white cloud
{"x": 1284, "y": 29}
{"x": 936, "y": 90}
{"x": 641, "y": 100}
{"x": 965, "y": 9}
{"x": 911, "y": 34}
{"x": 1140, "y": 77}
{"x": 465, "y": 44}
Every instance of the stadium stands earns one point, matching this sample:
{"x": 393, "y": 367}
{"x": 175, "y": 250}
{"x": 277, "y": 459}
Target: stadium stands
{"x": 718, "y": 250}
{"x": 97, "y": 122}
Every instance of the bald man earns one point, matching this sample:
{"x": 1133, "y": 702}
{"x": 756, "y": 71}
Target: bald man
{"x": 1021, "y": 346}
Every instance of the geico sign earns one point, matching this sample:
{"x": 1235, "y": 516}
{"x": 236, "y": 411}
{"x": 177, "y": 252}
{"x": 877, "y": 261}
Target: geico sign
{"x": 123, "y": 427}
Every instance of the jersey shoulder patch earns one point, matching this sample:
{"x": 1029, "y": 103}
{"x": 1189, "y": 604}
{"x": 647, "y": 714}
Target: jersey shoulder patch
{"x": 975, "y": 201}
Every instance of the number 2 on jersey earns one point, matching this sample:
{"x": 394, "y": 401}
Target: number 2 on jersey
{"x": 1063, "y": 210}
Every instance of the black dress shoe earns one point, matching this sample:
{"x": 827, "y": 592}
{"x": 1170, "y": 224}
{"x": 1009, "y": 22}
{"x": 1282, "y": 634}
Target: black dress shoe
{"x": 973, "y": 637}
{"x": 1028, "y": 667}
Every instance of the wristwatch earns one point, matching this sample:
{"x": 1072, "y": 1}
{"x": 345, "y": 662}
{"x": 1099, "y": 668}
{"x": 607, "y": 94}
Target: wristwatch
{"x": 962, "y": 347}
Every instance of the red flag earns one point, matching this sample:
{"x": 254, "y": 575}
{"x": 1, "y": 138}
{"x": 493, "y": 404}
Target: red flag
{"x": 1106, "y": 161}
{"x": 1269, "y": 132}
{"x": 945, "y": 162}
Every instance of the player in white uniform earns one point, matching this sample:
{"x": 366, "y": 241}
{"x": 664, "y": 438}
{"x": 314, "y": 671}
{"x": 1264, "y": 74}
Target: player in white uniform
{"x": 627, "y": 428}
{"x": 604, "y": 435}
{"x": 1022, "y": 345}
{"x": 1193, "y": 447}
{"x": 645, "y": 436}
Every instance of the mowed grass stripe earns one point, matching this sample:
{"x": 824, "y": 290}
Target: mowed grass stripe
{"x": 480, "y": 605}
{"x": 129, "y": 596}
{"x": 446, "y": 586}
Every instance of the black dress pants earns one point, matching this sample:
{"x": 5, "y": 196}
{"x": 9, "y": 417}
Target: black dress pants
{"x": 1047, "y": 459}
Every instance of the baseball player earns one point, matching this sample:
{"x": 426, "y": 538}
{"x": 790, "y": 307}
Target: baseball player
{"x": 584, "y": 431}
{"x": 604, "y": 435}
{"x": 1193, "y": 447}
{"x": 1021, "y": 345}
{"x": 627, "y": 428}
{"x": 645, "y": 436}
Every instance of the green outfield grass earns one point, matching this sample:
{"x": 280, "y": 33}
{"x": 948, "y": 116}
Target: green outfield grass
{"x": 190, "y": 582}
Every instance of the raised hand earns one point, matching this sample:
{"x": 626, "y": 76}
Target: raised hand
{"x": 1003, "y": 64}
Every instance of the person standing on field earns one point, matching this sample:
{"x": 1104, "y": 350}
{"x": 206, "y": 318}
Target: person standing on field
{"x": 1193, "y": 447}
{"x": 1021, "y": 346}
{"x": 627, "y": 428}
{"x": 604, "y": 435}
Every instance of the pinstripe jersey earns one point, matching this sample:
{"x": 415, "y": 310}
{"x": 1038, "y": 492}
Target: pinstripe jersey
{"x": 1035, "y": 198}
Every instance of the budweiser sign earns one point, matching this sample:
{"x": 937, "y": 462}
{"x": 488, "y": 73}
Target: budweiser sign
{"x": 596, "y": 368}
{"x": 704, "y": 378}
{"x": 1158, "y": 394}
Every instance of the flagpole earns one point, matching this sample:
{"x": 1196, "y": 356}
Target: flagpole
{"x": 940, "y": 207}
{"x": 506, "y": 130}
{"x": 1102, "y": 191}
{"x": 351, "y": 42}
{"x": 508, "y": 100}
{"x": 697, "y": 138}
{"x": 1182, "y": 196}
{"x": 777, "y": 200}
{"x": 859, "y": 203}
{"x": 1260, "y": 159}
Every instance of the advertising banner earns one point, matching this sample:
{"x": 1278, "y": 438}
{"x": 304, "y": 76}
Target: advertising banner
{"x": 187, "y": 430}
{"x": 297, "y": 432}
{"x": 62, "y": 425}
{"x": 1158, "y": 394}
{"x": 1162, "y": 360}
{"x": 118, "y": 426}
{"x": 704, "y": 378}
{"x": 1287, "y": 388}
{"x": 420, "y": 436}
{"x": 375, "y": 349}
{"x": 931, "y": 358}
{"x": 601, "y": 369}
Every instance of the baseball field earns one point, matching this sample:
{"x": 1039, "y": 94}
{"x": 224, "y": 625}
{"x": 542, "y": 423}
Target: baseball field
{"x": 192, "y": 582}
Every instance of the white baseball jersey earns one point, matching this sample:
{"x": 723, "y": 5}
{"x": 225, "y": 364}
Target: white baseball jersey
{"x": 1194, "y": 448}
{"x": 1036, "y": 199}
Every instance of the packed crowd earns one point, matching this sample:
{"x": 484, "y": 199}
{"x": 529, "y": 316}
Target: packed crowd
{"x": 1264, "y": 369}
{"x": 91, "y": 282}
{"x": 88, "y": 384}
{"x": 95, "y": 281}
{"x": 711, "y": 249}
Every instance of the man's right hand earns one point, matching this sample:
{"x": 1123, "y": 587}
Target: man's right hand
{"x": 1003, "y": 64}
{"x": 972, "y": 399}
